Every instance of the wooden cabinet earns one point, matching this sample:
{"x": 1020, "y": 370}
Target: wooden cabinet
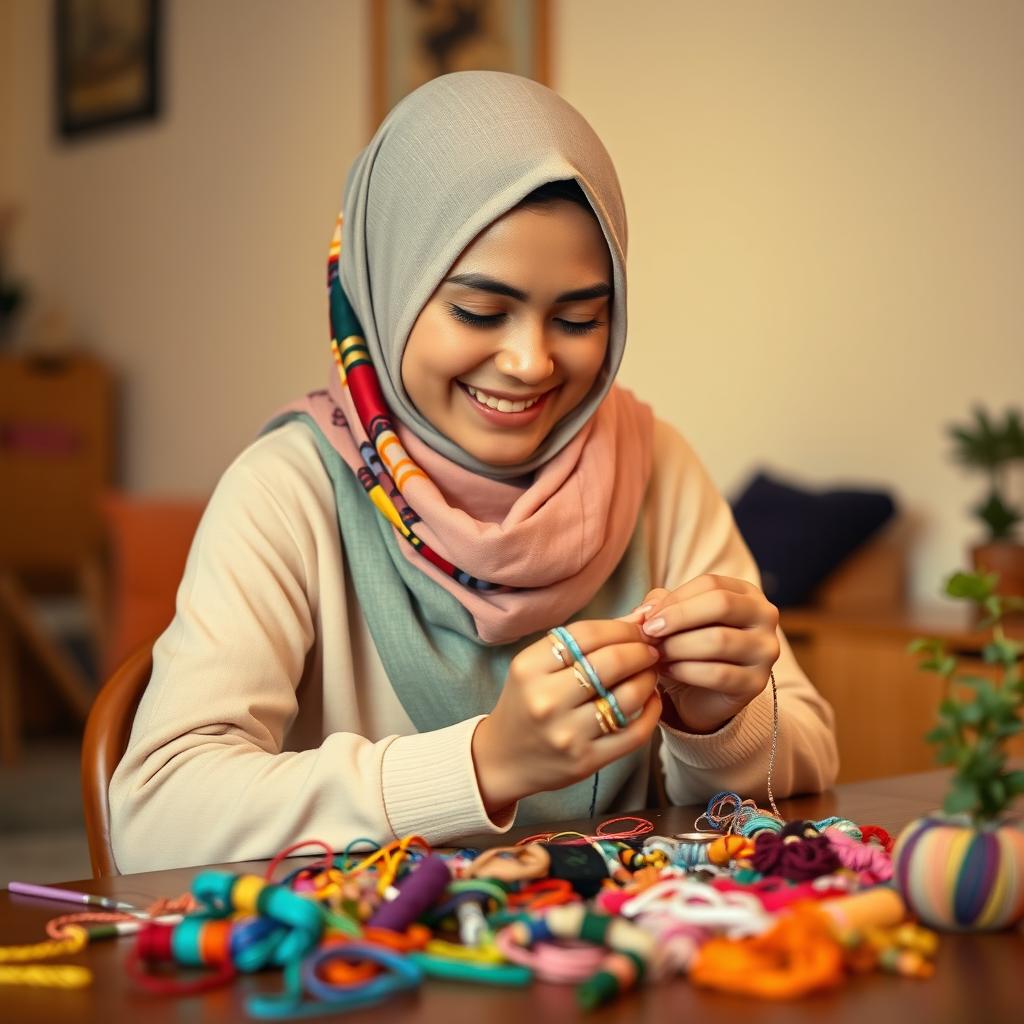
{"x": 884, "y": 703}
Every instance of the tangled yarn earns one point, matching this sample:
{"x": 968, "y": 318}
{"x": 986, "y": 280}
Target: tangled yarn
{"x": 796, "y": 956}
{"x": 799, "y": 852}
{"x": 871, "y": 862}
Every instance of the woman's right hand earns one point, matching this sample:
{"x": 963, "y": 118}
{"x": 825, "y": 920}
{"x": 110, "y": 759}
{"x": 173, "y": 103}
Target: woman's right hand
{"x": 543, "y": 733}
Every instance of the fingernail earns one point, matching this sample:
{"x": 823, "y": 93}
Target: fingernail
{"x": 654, "y": 627}
{"x": 644, "y": 609}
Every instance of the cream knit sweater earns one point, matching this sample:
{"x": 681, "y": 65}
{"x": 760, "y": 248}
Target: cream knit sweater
{"x": 269, "y": 717}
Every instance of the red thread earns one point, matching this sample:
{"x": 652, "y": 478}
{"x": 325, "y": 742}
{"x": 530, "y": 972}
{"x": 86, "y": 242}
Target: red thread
{"x": 328, "y": 861}
{"x": 547, "y": 892}
{"x": 153, "y": 942}
{"x": 876, "y": 832}
{"x": 170, "y": 986}
{"x": 642, "y": 828}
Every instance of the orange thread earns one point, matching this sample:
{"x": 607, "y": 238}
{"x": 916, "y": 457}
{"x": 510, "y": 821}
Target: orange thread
{"x": 798, "y": 955}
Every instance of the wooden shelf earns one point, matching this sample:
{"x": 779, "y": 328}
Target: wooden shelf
{"x": 884, "y": 703}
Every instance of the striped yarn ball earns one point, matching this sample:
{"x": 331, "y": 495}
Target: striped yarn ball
{"x": 961, "y": 878}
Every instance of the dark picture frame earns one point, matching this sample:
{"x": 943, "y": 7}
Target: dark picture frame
{"x": 107, "y": 64}
{"x": 415, "y": 40}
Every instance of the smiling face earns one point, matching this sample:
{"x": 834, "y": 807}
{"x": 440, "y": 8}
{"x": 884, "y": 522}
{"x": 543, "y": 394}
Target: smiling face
{"x": 521, "y": 317}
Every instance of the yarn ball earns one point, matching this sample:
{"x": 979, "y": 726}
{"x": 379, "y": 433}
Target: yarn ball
{"x": 798, "y": 852}
{"x": 959, "y": 877}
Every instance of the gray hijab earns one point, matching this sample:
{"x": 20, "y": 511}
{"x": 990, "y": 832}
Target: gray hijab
{"x": 449, "y": 159}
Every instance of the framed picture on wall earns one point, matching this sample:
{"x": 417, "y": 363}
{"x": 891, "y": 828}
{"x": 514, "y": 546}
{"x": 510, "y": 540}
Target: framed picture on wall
{"x": 416, "y": 40}
{"x": 107, "y": 63}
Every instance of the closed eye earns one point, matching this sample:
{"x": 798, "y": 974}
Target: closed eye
{"x": 494, "y": 319}
{"x": 476, "y": 319}
{"x": 579, "y": 327}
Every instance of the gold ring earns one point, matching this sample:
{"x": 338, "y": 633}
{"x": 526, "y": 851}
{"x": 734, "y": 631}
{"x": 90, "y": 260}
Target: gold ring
{"x": 604, "y": 709}
{"x": 605, "y": 730}
{"x": 581, "y": 678}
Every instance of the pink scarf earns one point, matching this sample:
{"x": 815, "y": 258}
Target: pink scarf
{"x": 556, "y": 540}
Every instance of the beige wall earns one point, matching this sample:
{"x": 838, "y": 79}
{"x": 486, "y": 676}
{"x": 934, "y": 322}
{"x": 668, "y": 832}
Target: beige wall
{"x": 827, "y": 226}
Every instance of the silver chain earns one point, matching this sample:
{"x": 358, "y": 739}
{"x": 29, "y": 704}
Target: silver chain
{"x": 775, "y": 743}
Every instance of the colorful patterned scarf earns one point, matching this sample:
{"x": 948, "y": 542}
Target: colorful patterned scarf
{"x": 386, "y": 466}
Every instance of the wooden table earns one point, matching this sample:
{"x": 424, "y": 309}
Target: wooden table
{"x": 979, "y": 977}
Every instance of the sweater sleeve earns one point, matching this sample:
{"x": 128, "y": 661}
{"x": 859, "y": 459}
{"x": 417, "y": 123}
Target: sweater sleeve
{"x": 693, "y": 534}
{"x": 205, "y": 777}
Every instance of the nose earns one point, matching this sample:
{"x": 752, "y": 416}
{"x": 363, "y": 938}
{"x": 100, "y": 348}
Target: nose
{"x": 525, "y": 356}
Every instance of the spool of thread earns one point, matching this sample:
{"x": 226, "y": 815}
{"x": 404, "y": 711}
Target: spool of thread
{"x": 961, "y": 878}
{"x": 881, "y": 907}
{"x": 691, "y": 849}
{"x": 416, "y": 892}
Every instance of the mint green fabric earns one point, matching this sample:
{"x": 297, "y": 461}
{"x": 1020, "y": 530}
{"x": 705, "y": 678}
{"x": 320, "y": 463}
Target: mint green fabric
{"x": 440, "y": 669}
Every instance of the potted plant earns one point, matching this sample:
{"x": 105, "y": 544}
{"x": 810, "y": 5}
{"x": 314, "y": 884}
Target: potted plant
{"x": 963, "y": 868}
{"x": 993, "y": 446}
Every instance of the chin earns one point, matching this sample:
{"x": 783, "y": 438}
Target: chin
{"x": 495, "y": 455}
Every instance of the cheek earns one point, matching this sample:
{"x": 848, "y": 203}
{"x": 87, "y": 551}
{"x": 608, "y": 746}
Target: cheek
{"x": 437, "y": 352}
{"x": 583, "y": 362}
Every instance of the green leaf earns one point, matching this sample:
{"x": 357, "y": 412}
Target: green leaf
{"x": 1014, "y": 782}
{"x": 962, "y": 796}
{"x": 972, "y": 714}
{"x": 972, "y": 586}
{"x": 995, "y": 791}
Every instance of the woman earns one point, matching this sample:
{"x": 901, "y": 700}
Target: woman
{"x": 361, "y": 641}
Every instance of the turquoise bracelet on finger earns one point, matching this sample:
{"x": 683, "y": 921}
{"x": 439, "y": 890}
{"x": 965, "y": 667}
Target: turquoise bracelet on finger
{"x": 561, "y": 633}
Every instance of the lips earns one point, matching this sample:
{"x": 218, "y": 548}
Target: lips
{"x": 488, "y": 398}
{"x": 508, "y": 419}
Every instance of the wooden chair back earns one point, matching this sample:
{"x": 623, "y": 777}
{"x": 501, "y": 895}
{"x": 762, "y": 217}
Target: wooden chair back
{"x": 106, "y": 737}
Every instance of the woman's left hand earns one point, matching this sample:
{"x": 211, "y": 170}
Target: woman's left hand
{"x": 718, "y": 639}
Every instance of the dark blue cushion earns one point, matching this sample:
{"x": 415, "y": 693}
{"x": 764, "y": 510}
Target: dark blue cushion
{"x": 798, "y": 537}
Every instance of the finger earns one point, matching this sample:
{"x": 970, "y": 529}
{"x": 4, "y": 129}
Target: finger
{"x": 730, "y": 680}
{"x": 712, "y": 607}
{"x": 707, "y": 582}
{"x": 591, "y": 635}
{"x": 747, "y": 647}
{"x": 625, "y": 741}
{"x": 632, "y": 693}
{"x": 617, "y": 663}
{"x": 654, "y": 597}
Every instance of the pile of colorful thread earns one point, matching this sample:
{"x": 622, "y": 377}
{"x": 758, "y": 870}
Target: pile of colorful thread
{"x": 748, "y": 904}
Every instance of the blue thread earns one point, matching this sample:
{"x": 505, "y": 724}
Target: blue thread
{"x": 581, "y": 659}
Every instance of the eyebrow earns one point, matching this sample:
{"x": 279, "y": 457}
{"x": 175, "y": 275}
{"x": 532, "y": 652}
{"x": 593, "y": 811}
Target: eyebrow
{"x": 483, "y": 283}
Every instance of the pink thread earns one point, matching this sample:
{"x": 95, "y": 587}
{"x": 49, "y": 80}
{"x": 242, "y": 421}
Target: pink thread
{"x": 776, "y": 893}
{"x": 561, "y": 963}
{"x": 871, "y": 862}
{"x": 678, "y": 944}
{"x": 611, "y": 900}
